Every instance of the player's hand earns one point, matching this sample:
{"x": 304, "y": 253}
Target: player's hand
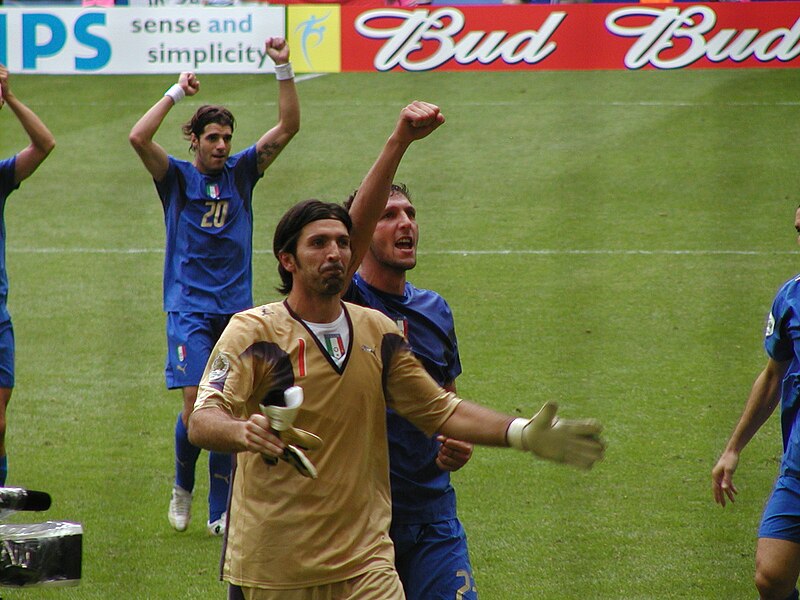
{"x": 453, "y": 454}
{"x": 418, "y": 120}
{"x": 280, "y": 419}
{"x": 259, "y": 437}
{"x": 189, "y": 82}
{"x": 722, "y": 478}
{"x": 277, "y": 49}
{"x": 573, "y": 442}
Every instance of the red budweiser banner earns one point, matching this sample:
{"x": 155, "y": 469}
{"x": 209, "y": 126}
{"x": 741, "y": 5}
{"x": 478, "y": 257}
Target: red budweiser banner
{"x": 578, "y": 36}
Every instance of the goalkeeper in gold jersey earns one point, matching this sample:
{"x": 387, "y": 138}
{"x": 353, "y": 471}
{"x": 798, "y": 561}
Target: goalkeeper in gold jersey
{"x": 315, "y": 524}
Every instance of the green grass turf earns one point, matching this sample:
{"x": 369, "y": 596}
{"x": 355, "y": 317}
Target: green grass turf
{"x": 609, "y": 240}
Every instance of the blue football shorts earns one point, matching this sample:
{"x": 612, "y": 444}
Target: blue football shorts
{"x": 781, "y": 517}
{"x": 433, "y": 561}
{"x": 190, "y": 340}
{"x": 6, "y": 354}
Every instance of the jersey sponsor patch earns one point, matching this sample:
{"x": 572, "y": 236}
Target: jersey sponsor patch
{"x": 219, "y": 368}
{"x": 770, "y": 325}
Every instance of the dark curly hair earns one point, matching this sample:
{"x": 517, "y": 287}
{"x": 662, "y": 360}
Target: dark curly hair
{"x": 208, "y": 113}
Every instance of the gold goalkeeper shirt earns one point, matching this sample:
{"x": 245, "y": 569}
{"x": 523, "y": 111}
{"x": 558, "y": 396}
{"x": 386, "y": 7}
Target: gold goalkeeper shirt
{"x": 286, "y": 530}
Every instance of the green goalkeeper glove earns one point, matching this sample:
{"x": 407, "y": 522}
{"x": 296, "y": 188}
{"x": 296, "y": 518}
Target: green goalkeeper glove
{"x": 297, "y": 440}
{"x": 573, "y": 442}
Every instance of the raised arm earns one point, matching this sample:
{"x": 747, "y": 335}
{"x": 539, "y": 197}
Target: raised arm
{"x": 154, "y": 157}
{"x": 276, "y": 139}
{"x": 42, "y": 141}
{"x": 764, "y": 397}
{"x": 417, "y": 120}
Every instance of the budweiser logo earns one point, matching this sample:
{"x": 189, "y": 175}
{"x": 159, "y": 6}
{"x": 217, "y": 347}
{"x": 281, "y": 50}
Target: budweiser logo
{"x": 421, "y": 40}
{"x": 673, "y": 38}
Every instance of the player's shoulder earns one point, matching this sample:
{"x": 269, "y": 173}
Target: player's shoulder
{"x": 241, "y": 157}
{"x": 790, "y": 287}
{"x": 273, "y": 311}
{"x": 364, "y": 314}
{"x": 258, "y": 317}
{"x": 182, "y": 165}
{"x": 268, "y": 321}
{"x": 422, "y": 294}
{"x": 427, "y": 301}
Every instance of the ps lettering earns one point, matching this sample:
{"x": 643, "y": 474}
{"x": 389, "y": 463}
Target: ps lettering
{"x": 45, "y": 35}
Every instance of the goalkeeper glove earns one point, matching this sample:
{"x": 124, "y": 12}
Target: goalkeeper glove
{"x": 297, "y": 440}
{"x": 574, "y": 442}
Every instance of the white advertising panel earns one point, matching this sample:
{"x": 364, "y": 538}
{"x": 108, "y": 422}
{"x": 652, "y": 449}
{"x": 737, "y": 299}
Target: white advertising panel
{"x": 124, "y": 40}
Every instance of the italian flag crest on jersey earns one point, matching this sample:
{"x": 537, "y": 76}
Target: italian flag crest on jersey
{"x": 212, "y": 190}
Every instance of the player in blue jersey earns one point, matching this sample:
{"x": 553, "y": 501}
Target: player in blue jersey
{"x": 778, "y": 549}
{"x": 12, "y": 172}
{"x": 208, "y": 261}
{"x": 430, "y": 544}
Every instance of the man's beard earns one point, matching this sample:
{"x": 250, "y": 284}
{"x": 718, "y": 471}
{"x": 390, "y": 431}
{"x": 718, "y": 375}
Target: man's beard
{"x": 333, "y": 284}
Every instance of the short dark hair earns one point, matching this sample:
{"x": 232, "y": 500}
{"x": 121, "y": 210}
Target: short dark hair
{"x": 397, "y": 188}
{"x": 291, "y": 224}
{"x": 208, "y": 113}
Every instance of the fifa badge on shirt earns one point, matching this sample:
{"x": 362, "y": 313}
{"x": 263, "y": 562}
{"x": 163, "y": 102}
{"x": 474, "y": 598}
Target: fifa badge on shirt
{"x": 181, "y": 353}
{"x": 219, "y": 369}
{"x": 212, "y": 190}
{"x": 770, "y": 325}
{"x": 334, "y": 345}
{"x": 402, "y": 325}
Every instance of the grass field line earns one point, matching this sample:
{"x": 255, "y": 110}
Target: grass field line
{"x": 499, "y": 252}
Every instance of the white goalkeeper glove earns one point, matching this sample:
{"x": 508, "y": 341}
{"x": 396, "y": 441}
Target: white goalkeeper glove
{"x": 573, "y": 442}
{"x": 297, "y": 440}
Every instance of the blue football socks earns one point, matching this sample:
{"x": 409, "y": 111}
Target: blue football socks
{"x": 3, "y": 470}
{"x": 185, "y": 457}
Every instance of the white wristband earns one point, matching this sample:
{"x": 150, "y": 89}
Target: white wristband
{"x": 176, "y": 93}
{"x": 284, "y": 72}
{"x": 514, "y": 433}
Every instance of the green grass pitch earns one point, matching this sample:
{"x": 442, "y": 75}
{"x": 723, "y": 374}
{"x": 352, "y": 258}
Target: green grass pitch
{"x": 610, "y": 240}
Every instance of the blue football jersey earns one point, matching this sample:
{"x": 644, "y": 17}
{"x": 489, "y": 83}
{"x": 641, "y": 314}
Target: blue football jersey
{"x": 209, "y": 239}
{"x": 782, "y": 343}
{"x": 421, "y": 492}
{"x": 6, "y": 187}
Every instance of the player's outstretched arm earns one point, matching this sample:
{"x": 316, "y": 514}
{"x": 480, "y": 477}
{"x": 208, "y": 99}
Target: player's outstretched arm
{"x": 453, "y": 454}
{"x": 573, "y": 442}
{"x": 153, "y": 156}
{"x": 417, "y": 120}
{"x": 764, "y": 397}
{"x": 276, "y": 139}
{"x": 42, "y": 141}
